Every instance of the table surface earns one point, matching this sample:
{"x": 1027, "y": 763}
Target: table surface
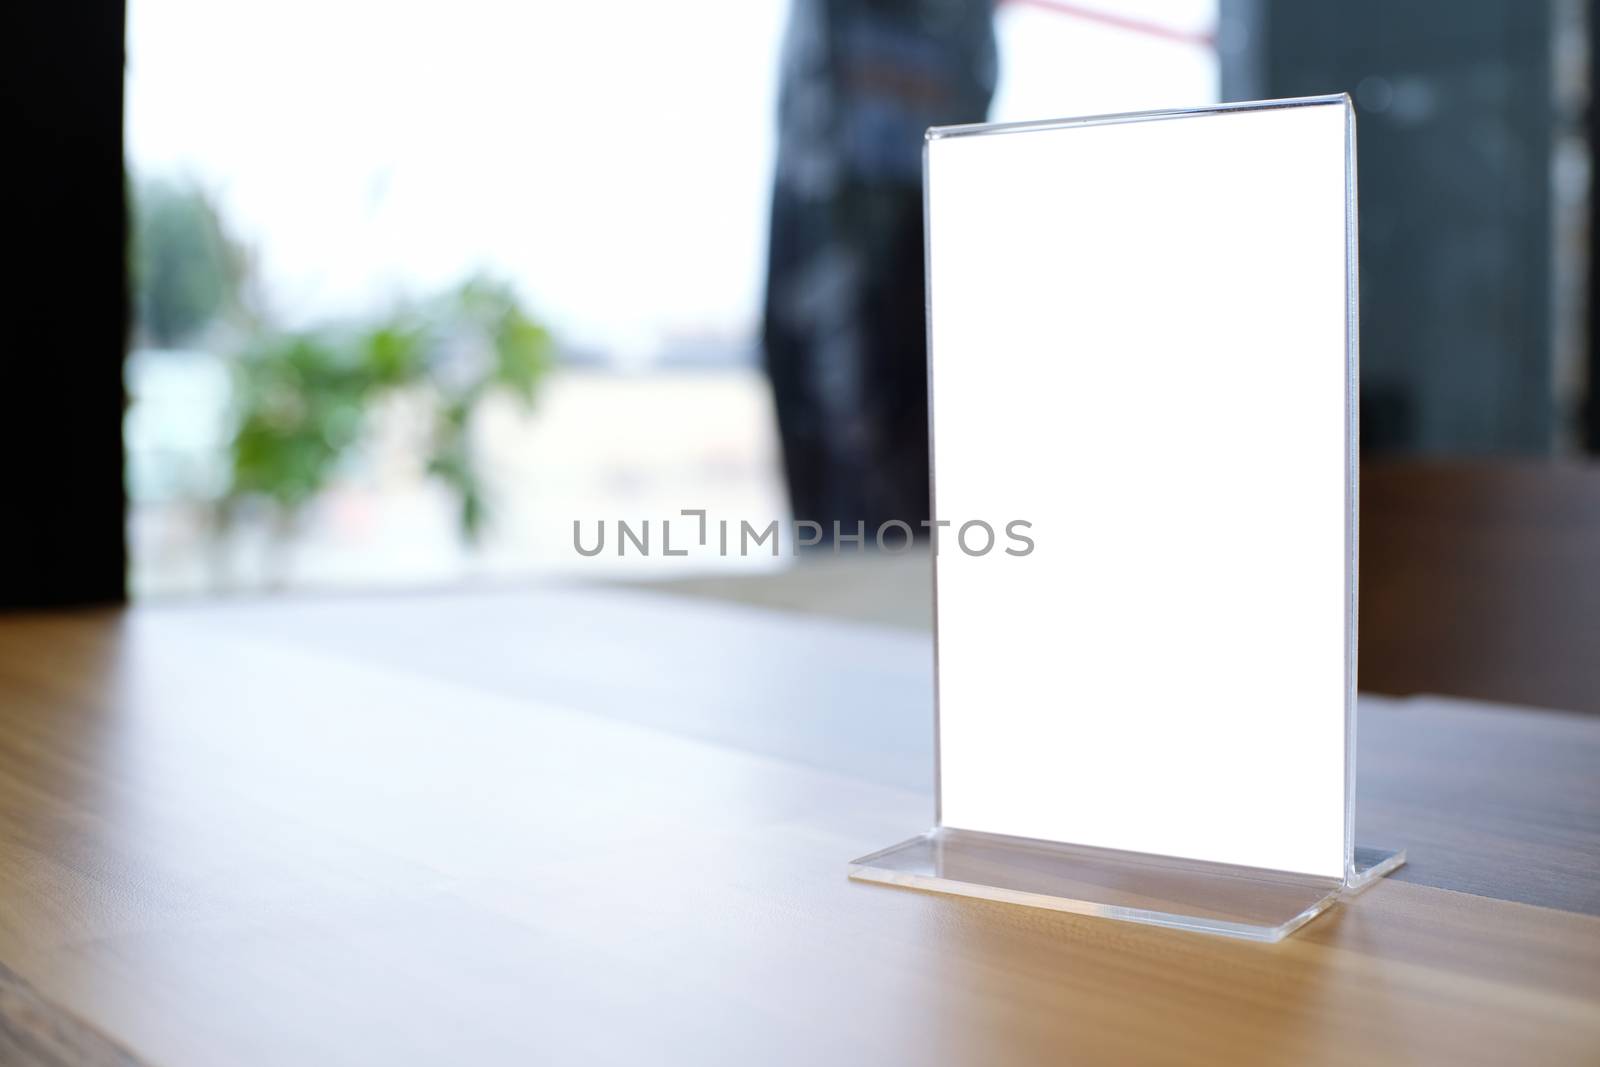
{"x": 582, "y": 826}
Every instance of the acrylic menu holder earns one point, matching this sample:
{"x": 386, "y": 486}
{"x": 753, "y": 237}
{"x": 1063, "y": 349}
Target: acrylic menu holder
{"x": 1143, "y": 347}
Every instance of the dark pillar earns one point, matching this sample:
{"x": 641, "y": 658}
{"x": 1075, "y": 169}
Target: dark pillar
{"x": 1455, "y": 119}
{"x": 65, "y": 309}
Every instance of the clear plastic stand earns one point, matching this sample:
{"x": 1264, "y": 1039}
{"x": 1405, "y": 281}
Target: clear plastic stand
{"x": 1214, "y": 898}
{"x": 1053, "y": 720}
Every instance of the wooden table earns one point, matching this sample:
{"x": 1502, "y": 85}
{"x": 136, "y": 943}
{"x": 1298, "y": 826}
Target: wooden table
{"x": 580, "y": 827}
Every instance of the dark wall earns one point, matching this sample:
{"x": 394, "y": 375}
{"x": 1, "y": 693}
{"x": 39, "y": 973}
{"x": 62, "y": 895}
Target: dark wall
{"x": 1455, "y": 118}
{"x": 65, "y": 304}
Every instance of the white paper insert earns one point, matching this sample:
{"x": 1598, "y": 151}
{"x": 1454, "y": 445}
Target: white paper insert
{"x": 1138, "y": 345}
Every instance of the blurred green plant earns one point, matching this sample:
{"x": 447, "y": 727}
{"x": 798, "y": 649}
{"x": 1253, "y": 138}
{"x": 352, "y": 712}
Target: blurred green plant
{"x": 187, "y": 271}
{"x": 304, "y": 399}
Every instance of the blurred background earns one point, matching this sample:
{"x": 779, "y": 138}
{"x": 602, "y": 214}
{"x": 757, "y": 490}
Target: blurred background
{"x": 610, "y": 170}
{"x": 411, "y": 287}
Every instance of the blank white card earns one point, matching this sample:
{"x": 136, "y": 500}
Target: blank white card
{"x": 1138, "y": 345}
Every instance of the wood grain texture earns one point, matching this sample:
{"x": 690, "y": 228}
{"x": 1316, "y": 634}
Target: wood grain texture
{"x": 1481, "y": 579}
{"x": 36, "y": 1033}
{"x": 1488, "y": 800}
{"x": 225, "y": 842}
{"x": 1505, "y": 804}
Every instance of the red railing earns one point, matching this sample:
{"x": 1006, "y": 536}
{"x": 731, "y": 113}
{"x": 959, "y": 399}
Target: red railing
{"x": 1121, "y": 22}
